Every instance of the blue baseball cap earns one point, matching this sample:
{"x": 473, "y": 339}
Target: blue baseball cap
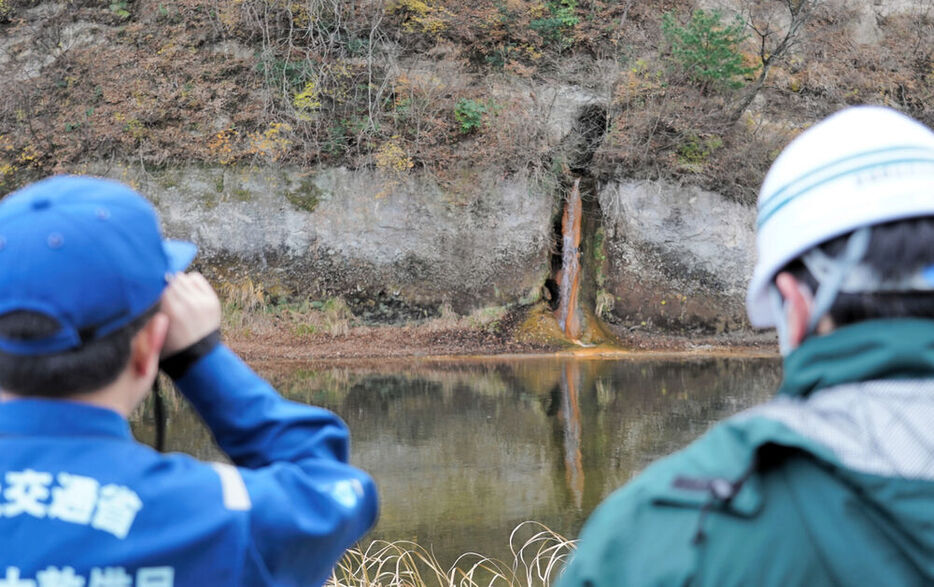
{"x": 85, "y": 252}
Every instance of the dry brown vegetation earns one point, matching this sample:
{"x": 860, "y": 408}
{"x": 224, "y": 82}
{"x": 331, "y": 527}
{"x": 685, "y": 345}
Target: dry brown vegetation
{"x": 419, "y": 84}
{"x": 326, "y": 330}
{"x": 539, "y": 555}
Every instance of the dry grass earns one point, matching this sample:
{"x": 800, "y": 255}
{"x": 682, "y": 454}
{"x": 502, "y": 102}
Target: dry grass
{"x": 322, "y": 82}
{"x": 478, "y": 319}
{"x": 248, "y": 310}
{"x": 251, "y": 310}
{"x": 245, "y": 295}
{"x": 539, "y": 554}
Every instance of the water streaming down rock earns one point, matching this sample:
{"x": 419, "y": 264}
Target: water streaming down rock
{"x": 569, "y": 277}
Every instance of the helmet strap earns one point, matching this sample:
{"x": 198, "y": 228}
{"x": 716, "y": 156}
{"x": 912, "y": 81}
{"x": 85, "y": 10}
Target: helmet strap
{"x": 781, "y": 320}
{"x": 831, "y": 272}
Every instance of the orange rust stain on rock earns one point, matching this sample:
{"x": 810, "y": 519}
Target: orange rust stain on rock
{"x": 569, "y": 277}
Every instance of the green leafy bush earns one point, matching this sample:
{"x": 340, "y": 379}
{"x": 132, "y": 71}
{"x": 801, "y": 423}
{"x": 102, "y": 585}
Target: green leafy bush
{"x": 469, "y": 115}
{"x": 707, "y": 49}
{"x": 558, "y": 27}
{"x": 120, "y": 9}
{"x": 694, "y": 151}
{"x": 289, "y": 74}
{"x": 6, "y": 10}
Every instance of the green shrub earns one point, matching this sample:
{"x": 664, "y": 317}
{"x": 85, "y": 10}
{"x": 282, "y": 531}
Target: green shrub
{"x": 707, "y": 49}
{"x": 6, "y": 10}
{"x": 469, "y": 115}
{"x": 694, "y": 151}
{"x": 558, "y": 27}
{"x": 280, "y": 72}
{"x": 120, "y": 9}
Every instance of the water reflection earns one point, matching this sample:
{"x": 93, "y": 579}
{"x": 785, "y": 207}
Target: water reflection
{"x": 571, "y": 422}
{"x": 464, "y": 452}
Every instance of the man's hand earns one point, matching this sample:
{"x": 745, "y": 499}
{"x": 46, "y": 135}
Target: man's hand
{"x": 193, "y": 309}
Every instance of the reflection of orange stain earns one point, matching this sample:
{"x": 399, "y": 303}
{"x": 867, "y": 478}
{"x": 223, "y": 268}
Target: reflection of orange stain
{"x": 597, "y": 352}
{"x": 573, "y": 461}
{"x": 569, "y": 277}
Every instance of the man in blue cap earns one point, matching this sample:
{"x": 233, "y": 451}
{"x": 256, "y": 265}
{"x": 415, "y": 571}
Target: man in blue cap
{"x": 831, "y": 482}
{"x": 91, "y": 300}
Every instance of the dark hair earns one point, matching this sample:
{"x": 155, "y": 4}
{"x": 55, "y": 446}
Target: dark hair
{"x": 86, "y": 368}
{"x": 896, "y": 249}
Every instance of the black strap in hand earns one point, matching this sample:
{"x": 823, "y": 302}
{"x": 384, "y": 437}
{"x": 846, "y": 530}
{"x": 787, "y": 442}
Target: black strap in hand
{"x": 175, "y": 366}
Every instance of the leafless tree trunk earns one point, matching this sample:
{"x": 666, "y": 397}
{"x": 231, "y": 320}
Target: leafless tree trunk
{"x": 775, "y": 39}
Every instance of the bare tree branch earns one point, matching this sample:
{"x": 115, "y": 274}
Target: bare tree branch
{"x": 797, "y": 13}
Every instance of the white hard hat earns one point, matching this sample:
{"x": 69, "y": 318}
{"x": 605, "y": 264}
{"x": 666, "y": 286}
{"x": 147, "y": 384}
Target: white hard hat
{"x": 860, "y": 167}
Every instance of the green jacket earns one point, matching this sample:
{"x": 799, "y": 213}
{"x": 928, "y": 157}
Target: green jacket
{"x": 832, "y": 483}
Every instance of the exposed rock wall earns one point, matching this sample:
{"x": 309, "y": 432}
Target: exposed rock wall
{"x": 862, "y": 15}
{"x": 395, "y": 248}
{"x": 678, "y": 257}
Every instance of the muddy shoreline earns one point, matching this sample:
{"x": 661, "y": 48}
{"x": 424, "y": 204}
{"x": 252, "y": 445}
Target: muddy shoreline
{"x": 429, "y": 343}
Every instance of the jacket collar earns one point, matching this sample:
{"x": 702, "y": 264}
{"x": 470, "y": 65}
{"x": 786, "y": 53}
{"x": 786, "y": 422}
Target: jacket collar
{"x": 43, "y": 417}
{"x": 871, "y": 350}
{"x": 716, "y": 471}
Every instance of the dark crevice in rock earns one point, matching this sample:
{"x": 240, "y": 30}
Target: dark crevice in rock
{"x": 590, "y": 131}
{"x": 571, "y": 160}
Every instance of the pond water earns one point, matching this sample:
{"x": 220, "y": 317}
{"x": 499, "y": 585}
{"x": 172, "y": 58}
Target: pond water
{"x": 464, "y": 451}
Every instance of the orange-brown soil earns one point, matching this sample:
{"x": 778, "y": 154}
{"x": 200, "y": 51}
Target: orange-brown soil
{"x": 418, "y": 341}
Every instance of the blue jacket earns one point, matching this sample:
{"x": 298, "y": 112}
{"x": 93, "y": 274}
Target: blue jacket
{"x": 84, "y": 505}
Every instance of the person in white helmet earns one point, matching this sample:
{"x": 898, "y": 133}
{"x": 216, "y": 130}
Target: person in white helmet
{"x": 831, "y": 482}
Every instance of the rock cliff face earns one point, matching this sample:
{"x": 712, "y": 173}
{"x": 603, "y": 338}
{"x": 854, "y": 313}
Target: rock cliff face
{"x": 395, "y": 249}
{"x": 678, "y": 257}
